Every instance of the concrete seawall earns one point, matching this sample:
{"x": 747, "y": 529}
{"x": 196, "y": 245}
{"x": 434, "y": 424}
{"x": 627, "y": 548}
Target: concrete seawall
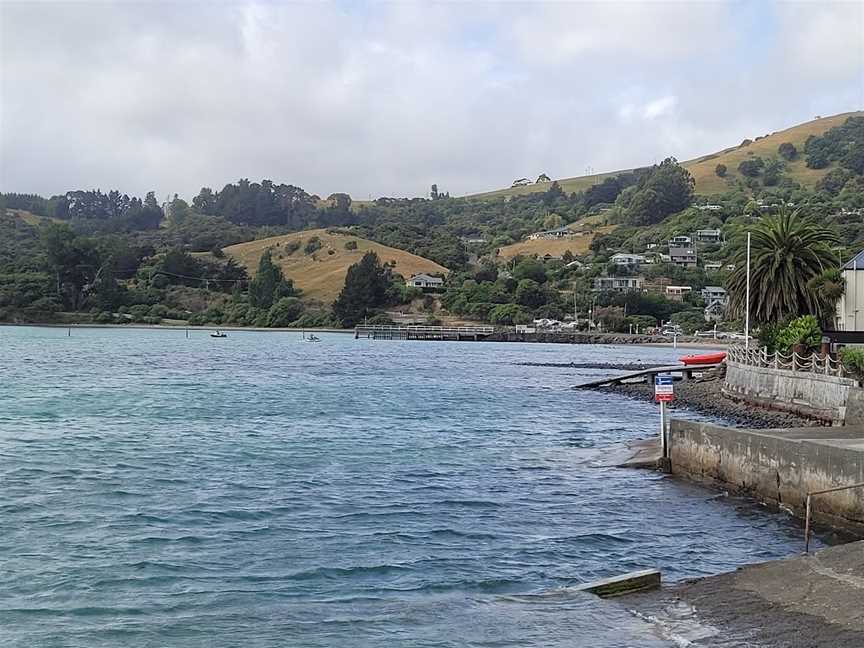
{"x": 810, "y": 394}
{"x": 777, "y": 466}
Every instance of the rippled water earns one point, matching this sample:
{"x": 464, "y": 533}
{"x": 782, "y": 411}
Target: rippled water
{"x": 258, "y": 491}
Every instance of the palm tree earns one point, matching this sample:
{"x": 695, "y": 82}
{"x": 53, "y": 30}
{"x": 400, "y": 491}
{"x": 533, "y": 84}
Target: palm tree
{"x": 827, "y": 287}
{"x": 788, "y": 251}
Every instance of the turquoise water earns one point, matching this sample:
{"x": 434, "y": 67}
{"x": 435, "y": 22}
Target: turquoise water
{"x": 259, "y": 491}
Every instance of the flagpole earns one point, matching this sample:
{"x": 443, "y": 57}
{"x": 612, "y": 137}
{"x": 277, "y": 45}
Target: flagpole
{"x": 747, "y": 301}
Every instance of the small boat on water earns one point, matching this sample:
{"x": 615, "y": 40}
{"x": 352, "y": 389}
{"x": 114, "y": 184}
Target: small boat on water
{"x": 218, "y": 334}
{"x": 312, "y": 337}
{"x": 703, "y": 358}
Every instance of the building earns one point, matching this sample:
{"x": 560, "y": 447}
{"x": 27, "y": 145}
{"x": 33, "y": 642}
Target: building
{"x": 713, "y": 266}
{"x": 561, "y": 232}
{"x": 683, "y": 256}
{"x": 425, "y": 281}
{"x": 709, "y": 207}
{"x": 679, "y": 241}
{"x": 618, "y": 284}
{"x": 714, "y": 294}
{"x": 575, "y": 263}
{"x": 630, "y": 260}
{"x": 850, "y": 308}
{"x": 677, "y": 293}
{"x": 714, "y": 312}
{"x": 708, "y": 236}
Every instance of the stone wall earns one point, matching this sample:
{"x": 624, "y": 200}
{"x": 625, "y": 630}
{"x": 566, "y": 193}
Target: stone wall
{"x": 812, "y": 395}
{"x": 777, "y": 466}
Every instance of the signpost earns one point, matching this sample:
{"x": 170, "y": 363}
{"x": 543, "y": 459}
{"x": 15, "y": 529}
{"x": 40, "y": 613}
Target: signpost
{"x": 664, "y": 392}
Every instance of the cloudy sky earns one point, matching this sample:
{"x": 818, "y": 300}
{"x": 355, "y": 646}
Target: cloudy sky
{"x": 387, "y": 98}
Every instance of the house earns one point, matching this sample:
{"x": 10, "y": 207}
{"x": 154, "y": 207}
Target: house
{"x": 709, "y": 207}
{"x": 730, "y": 267}
{"x": 707, "y": 236}
{"x": 679, "y": 241}
{"x": 713, "y": 266}
{"x": 630, "y": 260}
{"x": 651, "y": 246}
{"x": 714, "y": 294}
{"x": 677, "y": 293}
{"x": 665, "y": 258}
{"x": 521, "y": 182}
{"x": 425, "y": 281}
{"x": 850, "y": 308}
{"x": 683, "y": 256}
{"x": 576, "y": 263}
{"x": 543, "y": 178}
{"x": 618, "y": 284}
{"x": 561, "y": 232}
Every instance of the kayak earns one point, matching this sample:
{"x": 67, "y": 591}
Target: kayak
{"x": 705, "y": 358}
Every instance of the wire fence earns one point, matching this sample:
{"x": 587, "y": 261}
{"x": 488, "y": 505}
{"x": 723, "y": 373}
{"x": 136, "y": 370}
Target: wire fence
{"x": 812, "y": 363}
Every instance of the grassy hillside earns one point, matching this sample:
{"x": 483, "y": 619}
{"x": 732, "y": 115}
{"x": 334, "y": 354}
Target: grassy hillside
{"x": 577, "y": 245}
{"x": 28, "y": 217}
{"x": 702, "y": 168}
{"x": 321, "y": 274}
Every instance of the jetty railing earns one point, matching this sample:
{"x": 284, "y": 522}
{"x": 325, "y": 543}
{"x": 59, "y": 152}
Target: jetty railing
{"x": 397, "y": 332}
{"x": 812, "y": 363}
{"x": 810, "y": 497}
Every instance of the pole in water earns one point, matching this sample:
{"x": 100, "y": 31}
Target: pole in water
{"x": 187, "y": 333}
{"x": 69, "y": 332}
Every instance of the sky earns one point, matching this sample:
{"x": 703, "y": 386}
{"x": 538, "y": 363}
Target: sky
{"x": 384, "y": 99}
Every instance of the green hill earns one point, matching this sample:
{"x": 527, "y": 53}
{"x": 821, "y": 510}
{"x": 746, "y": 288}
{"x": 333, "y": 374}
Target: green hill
{"x": 703, "y": 168}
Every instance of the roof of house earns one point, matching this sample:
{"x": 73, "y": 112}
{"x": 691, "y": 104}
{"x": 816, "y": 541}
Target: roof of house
{"x": 715, "y": 288}
{"x": 856, "y": 262}
{"x": 426, "y": 277}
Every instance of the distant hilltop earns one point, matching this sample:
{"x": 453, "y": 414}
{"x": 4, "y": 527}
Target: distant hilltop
{"x": 705, "y": 169}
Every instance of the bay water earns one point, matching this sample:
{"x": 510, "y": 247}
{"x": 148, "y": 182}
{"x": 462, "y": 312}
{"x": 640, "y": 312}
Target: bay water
{"x": 256, "y": 490}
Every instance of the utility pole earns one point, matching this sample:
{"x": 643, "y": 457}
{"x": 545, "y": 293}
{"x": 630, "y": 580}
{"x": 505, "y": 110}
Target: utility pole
{"x": 747, "y": 301}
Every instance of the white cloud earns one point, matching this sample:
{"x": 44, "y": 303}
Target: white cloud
{"x": 385, "y": 99}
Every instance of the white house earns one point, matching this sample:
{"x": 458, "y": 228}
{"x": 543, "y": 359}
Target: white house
{"x": 850, "y": 308}
{"x": 679, "y": 241}
{"x": 624, "y": 259}
{"x": 425, "y": 281}
{"x": 713, "y": 266}
{"x": 677, "y": 293}
{"x": 709, "y": 207}
{"x": 618, "y": 284}
{"x": 712, "y": 294}
{"x": 708, "y": 235}
{"x": 561, "y": 232}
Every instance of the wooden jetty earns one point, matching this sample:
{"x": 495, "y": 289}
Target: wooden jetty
{"x": 646, "y": 375}
{"x": 456, "y": 333}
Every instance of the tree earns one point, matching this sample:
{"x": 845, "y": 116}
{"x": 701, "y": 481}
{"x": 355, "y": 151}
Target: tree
{"x": 787, "y": 151}
{"x": 269, "y": 284}
{"x": 434, "y": 195}
{"x": 507, "y": 314}
{"x": 367, "y": 287}
{"x": 751, "y": 168}
{"x": 827, "y": 287}
{"x": 529, "y": 268}
{"x": 720, "y": 170}
{"x": 284, "y": 312}
{"x": 788, "y": 251}
{"x": 530, "y": 294}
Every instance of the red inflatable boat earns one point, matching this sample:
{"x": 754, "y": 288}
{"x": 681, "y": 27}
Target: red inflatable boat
{"x": 705, "y": 358}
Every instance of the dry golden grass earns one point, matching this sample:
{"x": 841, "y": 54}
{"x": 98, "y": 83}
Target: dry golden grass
{"x": 556, "y": 247}
{"x": 29, "y": 217}
{"x": 322, "y": 275}
{"x": 702, "y": 168}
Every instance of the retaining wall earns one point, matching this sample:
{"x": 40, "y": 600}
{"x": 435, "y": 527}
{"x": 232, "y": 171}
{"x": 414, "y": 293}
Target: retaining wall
{"x": 777, "y": 466}
{"x": 812, "y": 395}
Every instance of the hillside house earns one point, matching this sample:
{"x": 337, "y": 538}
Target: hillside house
{"x": 714, "y": 294}
{"x": 677, "y": 293}
{"x": 680, "y": 241}
{"x": 709, "y": 207}
{"x": 713, "y": 266}
{"x": 684, "y": 257}
{"x": 561, "y": 232}
{"x": 521, "y": 182}
{"x": 628, "y": 260}
{"x": 425, "y": 281}
{"x": 708, "y": 236}
{"x": 850, "y": 308}
{"x": 575, "y": 263}
{"x": 714, "y": 312}
{"x": 618, "y": 284}
{"x": 543, "y": 178}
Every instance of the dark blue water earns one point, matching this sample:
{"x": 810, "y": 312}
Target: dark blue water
{"x": 259, "y": 491}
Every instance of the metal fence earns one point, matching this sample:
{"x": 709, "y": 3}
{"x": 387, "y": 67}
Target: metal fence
{"x": 812, "y": 363}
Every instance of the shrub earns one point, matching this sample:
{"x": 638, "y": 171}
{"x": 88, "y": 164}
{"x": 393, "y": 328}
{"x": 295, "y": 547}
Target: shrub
{"x": 292, "y": 246}
{"x": 787, "y": 151}
{"x": 803, "y": 330}
{"x": 853, "y": 361}
{"x": 312, "y": 245}
{"x": 351, "y": 245}
{"x": 751, "y": 168}
{"x": 720, "y": 170}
